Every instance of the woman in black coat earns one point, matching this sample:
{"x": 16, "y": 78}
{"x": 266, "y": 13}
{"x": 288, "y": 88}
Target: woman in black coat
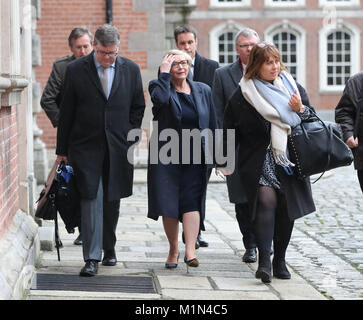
{"x": 177, "y": 188}
{"x": 262, "y": 111}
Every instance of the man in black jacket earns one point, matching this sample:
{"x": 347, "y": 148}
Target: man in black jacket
{"x": 226, "y": 80}
{"x": 103, "y": 101}
{"x": 202, "y": 70}
{"x": 80, "y": 44}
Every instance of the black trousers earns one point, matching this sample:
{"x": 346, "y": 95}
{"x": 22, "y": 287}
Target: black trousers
{"x": 245, "y": 225}
{"x": 360, "y": 178}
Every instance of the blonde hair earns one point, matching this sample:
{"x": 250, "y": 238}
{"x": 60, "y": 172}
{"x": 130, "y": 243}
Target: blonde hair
{"x": 260, "y": 53}
{"x": 177, "y": 52}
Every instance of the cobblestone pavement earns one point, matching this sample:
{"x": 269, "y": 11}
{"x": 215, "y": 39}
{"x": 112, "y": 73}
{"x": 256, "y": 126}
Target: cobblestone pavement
{"x": 325, "y": 253}
{"x": 326, "y": 246}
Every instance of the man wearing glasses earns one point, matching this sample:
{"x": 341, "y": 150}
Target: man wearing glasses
{"x": 226, "y": 80}
{"x": 80, "y": 44}
{"x": 103, "y": 101}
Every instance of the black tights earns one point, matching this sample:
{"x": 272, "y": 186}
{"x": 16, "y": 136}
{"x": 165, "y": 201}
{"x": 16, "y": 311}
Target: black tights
{"x": 272, "y": 222}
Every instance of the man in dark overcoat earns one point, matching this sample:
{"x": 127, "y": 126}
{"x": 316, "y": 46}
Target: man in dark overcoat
{"x": 348, "y": 113}
{"x": 201, "y": 70}
{"x": 103, "y": 101}
{"x": 80, "y": 44}
{"x": 226, "y": 80}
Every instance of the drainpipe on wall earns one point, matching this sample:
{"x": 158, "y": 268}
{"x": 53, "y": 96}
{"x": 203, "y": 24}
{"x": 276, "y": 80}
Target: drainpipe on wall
{"x": 109, "y": 11}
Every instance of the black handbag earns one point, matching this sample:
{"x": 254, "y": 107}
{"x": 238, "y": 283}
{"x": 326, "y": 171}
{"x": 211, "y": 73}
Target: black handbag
{"x": 60, "y": 195}
{"x": 316, "y": 146}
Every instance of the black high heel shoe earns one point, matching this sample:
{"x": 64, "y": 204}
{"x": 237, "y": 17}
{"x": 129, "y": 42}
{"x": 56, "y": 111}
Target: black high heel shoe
{"x": 191, "y": 263}
{"x": 172, "y": 265}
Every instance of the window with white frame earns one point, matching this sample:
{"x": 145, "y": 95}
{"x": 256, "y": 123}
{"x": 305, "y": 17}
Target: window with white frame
{"x": 339, "y": 3}
{"x": 227, "y": 48}
{"x": 230, "y": 3}
{"x": 286, "y": 42}
{"x": 284, "y": 3}
{"x": 339, "y": 59}
{"x": 290, "y": 39}
{"x": 339, "y": 55}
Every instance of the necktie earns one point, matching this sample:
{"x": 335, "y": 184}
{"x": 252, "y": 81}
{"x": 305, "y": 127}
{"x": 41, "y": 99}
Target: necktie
{"x": 104, "y": 81}
{"x": 190, "y": 73}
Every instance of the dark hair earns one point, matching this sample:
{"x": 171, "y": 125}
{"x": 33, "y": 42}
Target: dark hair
{"x": 107, "y": 35}
{"x": 260, "y": 53}
{"x": 184, "y": 29}
{"x": 77, "y": 33}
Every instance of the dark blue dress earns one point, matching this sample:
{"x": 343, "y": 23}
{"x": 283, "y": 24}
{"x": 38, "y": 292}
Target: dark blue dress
{"x": 192, "y": 180}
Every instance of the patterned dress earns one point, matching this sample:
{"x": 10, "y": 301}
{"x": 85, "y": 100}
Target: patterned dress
{"x": 268, "y": 176}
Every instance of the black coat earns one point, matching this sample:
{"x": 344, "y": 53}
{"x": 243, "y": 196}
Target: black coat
{"x": 253, "y": 138}
{"x": 162, "y": 183}
{"x": 346, "y": 115}
{"x": 93, "y": 130}
{"x": 204, "y": 69}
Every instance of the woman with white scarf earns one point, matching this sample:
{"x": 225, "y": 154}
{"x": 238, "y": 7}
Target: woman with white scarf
{"x": 263, "y": 109}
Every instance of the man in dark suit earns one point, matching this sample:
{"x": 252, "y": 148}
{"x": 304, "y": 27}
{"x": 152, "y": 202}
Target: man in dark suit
{"x": 103, "y": 100}
{"x": 80, "y": 44}
{"x": 202, "y": 70}
{"x": 226, "y": 80}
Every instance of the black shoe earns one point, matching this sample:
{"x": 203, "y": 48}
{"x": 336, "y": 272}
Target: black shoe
{"x": 78, "y": 241}
{"x": 90, "y": 269}
{"x": 250, "y": 256}
{"x": 109, "y": 258}
{"x": 264, "y": 274}
{"x": 280, "y": 270}
{"x": 196, "y": 243}
{"x": 172, "y": 265}
{"x": 201, "y": 241}
{"x": 264, "y": 266}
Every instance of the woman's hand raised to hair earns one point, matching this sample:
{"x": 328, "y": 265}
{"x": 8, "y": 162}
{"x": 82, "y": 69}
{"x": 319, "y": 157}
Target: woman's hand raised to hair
{"x": 166, "y": 63}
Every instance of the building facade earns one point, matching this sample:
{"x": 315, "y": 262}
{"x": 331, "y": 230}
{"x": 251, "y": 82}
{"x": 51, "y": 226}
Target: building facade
{"x": 320, "y": 40}
{"x": 19, "y": 243}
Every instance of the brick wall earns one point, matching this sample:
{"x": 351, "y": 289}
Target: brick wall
{"x": 57, "y": 21}
{"x": 9, "y": 199}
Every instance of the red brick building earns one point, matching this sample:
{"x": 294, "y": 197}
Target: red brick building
{"x": 320, "y": 40}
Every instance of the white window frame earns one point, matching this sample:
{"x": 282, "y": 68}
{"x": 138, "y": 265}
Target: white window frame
{"x": 217, "y": 4}
{"x": 216, "y": 32}
{"x": 272, "y": 4}
{"x": 300, "y": 33}
{"x": 354, "y": 32}
{"x": 351, "y": 3}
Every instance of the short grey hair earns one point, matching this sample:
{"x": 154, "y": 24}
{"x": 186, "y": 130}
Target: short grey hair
{"x": 107, "y": 35}
{"x": 77, "y": 33}
{"x": 246, "y": 32}
{"x": 177, "y": 52}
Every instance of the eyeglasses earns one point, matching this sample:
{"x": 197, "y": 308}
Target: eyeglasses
{"x": 182, "y": 64}
{"x": 246, "y": 46}
{"x": 104, "y": 53}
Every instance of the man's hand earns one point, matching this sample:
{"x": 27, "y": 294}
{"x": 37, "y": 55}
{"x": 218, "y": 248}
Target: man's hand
{"x": 351, "y": 142}
{"x": 61, "y": 158}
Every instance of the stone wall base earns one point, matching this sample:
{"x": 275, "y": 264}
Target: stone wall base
{"x": 19, "y": 251}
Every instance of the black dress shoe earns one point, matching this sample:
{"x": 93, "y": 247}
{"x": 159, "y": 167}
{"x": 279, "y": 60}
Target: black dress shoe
{"x": 78, "y": 241}
{"x": 201, "y": 241}
{"x": 250, "y": 256}
{"x": 280, "y": 270}
{"x": 90, "y": 269}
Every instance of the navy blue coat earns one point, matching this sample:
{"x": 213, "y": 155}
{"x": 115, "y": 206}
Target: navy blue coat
{"x": 162, "y": 182}
{"x": 93, "y": 130}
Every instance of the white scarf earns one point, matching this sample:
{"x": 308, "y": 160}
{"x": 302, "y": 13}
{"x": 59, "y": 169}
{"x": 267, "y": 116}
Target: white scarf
{"x": 279, "y": 129}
